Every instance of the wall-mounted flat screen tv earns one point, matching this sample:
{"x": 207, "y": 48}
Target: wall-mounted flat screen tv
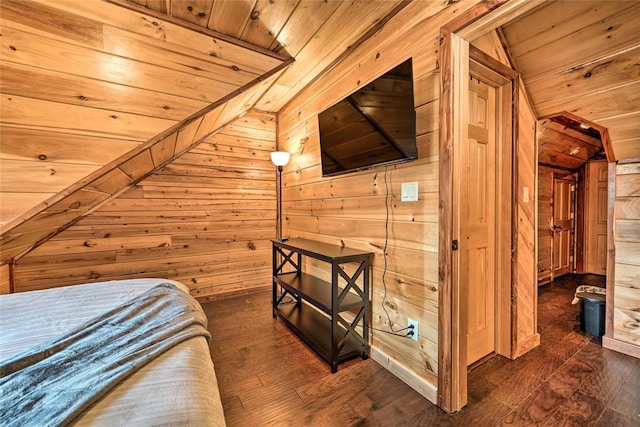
{"x": 376, "y": 125}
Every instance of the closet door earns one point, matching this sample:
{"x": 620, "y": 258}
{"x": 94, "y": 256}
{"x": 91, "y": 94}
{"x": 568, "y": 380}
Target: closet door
{"x": 563, "y": 225}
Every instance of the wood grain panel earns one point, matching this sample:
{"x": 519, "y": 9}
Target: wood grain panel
{"x": 82, "y": 83}
{"x": 212, "y": 245}
{"x": 143, "y": 21}
{"x": 350, "y": 209}
{"x": 31, "y": 49}
{"x": 32, "y": 113}
{"x": 230, "y": 17}
{"x": 605, "y": 74}
{"x": 15, "y": 204}
{"x": 348, "y": 22}
{"x": 31, "y": 177}
{"x": 525, "y": 329}
{"x": 623, "y": 300}
{"x": 582, "y": 57}
{"x": 618, "y": 30}
{"x": 266, "y": 21}
{"x": 196, "y": 11}
{"x": 60, "y": 87}
{"x": 50, "y": 146}
{"x": 111, "y": 180}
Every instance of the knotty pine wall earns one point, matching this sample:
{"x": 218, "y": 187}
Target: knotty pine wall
{"x": 525, "y": 291}
{"x": 206, "y": 220}
{"x": 350, "y": 209}
{"x": 625, "y": 334}
{"x": 5, "y": 285}
{"x": 82, "y": 83}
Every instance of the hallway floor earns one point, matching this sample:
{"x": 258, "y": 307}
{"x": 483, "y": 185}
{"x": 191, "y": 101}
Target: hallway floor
{"x": 267, "y": 376}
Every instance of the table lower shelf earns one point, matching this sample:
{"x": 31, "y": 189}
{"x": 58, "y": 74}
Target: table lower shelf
{"x": 315, "y": 330}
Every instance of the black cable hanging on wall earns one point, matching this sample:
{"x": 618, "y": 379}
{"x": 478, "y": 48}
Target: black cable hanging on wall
{"x": 384, "y": 270}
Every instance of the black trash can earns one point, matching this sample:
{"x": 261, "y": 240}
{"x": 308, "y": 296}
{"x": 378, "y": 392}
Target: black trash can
{"x": 592, "y": 313}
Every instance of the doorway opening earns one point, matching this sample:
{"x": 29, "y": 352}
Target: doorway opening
{"x": 572, "y": 198}
{"x": 484, "y": 212}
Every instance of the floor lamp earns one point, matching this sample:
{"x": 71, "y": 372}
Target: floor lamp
{"x": 280, "y": 159}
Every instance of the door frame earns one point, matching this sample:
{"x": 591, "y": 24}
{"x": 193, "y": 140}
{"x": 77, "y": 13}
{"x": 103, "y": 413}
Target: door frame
{"x": 455, "y": 53}
{"x": 485, "y": 67}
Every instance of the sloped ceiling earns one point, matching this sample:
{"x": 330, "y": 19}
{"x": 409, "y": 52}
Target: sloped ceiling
{"x": 583, "y": 57}
{"x": 85, "y": 82}
{"x": 315, "y": 32}
{"x": 564, "y": 143}
{"x": 97, "y": 95}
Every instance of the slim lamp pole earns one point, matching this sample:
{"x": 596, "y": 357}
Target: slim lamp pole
{"x": 279, "y": 203}
{"x": 280, "y": 159}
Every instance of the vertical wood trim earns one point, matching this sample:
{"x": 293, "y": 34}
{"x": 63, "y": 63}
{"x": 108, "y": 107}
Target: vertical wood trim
{"x": 611, "y": 252}
{"x": 452, "y": 364}
{"x": 5, "y": 278}
{"x": 580, "y": 219}
{"x": 445, "y": 232}
{"x": 513, "y": 286}
{"x": 606, "y": 144}
{"x": 12, "y": 285}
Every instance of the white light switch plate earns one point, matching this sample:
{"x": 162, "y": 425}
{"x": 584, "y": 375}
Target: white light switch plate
{"x": 409, "y": 192}
{"x": 525, "y": 195}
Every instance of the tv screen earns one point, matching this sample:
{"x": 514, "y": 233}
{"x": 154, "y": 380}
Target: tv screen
{"x": 375, "y": 125}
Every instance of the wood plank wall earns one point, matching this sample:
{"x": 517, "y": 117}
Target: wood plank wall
{"x": 205, "y": 219}
{"x": 82, "y": 83}
{"x": 350, "y": 209}
{"x": 625, "y": 335}
{"x": 525, "y": 291}
{"x": 5, "y": 283}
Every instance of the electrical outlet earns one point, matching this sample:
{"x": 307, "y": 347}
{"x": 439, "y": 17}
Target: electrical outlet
{"x": 410, "y": 323}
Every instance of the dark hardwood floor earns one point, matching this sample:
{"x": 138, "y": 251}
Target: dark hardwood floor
{"x": 267, "y": 376}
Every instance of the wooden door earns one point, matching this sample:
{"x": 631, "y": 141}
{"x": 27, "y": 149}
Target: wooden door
{"x": 595, "y": 248}
{"x": 563, "y": 225}
{"x": 478, "y": 220}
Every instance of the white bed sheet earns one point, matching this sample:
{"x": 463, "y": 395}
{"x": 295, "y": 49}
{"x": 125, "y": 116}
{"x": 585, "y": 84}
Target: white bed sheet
{"x": 178, "y": 388}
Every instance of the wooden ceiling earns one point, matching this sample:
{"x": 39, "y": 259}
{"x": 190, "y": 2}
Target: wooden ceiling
{"x": 84, "y": 82}
{"x": 583, "y": 57}
{"x": 315, "y": 32}
{"x": 565, "y": 143}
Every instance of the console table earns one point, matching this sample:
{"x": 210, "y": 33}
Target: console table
{"x": 330, "y": 317}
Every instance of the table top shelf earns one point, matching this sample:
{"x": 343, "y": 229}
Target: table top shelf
{"x": 332, "y": 317}
{"x": 315, "y": 330}
{"x": 317, "y": 291}
{"x": 322, "y": 251}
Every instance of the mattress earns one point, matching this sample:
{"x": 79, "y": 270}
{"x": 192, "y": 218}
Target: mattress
{"x": 177, "y": 388}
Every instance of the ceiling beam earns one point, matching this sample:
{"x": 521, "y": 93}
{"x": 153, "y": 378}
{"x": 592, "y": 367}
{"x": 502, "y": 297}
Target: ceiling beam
{"x": 197, "y": 28}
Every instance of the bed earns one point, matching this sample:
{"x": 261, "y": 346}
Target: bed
{"x": 178, "y": 387}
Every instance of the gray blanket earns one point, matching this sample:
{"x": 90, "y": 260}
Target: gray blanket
{"x": 52, "y": 383}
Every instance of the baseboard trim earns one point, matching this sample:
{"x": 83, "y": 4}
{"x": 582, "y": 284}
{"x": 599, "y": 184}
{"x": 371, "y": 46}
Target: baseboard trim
{"x": 526, "y": 345}
{"x": 421, "y": 385}
{"x": 621, "y": 347}
{"x": 232, "y": 293}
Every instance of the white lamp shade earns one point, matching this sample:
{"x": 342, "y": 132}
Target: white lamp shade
{"x": 280, "y": 158}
